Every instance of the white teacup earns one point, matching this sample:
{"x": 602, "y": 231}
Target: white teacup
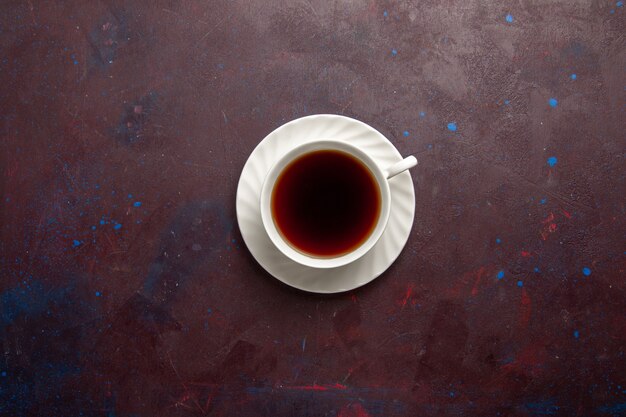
{"x": 381, "y": 176}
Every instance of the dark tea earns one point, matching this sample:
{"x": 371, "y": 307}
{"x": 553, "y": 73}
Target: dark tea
{"x": 326, "y": 203}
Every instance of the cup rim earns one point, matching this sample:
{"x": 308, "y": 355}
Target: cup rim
{"x": 276, "y": 237}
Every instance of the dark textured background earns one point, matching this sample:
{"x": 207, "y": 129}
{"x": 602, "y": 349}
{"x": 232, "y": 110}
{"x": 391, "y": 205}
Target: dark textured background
{"x": 126, "y": 289}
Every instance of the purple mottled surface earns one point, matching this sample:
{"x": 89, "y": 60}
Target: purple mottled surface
{"x": 125, "y": 287}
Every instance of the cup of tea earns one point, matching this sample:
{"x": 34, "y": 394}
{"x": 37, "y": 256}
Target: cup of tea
{"x": 326, "y": 203}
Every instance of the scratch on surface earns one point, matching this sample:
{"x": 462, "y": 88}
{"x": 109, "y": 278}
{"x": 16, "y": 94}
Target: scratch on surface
{"x": 66, "y": 172}
{"x": 394, "y": 337}
{"x": 313, "y": 10}
{"x": 172, "y": 12}
{"x": 195, "y": 400}
{"x": 481, "y": 155}
{"x": 32, "y": 14}
{"x": 84, "y": 74}
{"x": 113, "y": 245}
{"x": 213, "y": 29}
{"x": 351, "y": 371}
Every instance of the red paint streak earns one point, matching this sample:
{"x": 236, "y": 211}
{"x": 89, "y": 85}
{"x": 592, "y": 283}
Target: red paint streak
{"x": 409, "y": 291}
{"x": 353, "y": 410}
{"x": 316, "y": 387}
{"x": 372, "y": 8}
{"x": 460, "y": 285}
{"x": 208, "y": 402}
{"x": 548, "y": 219}
{"x": 354, "y": 298}
{"x": 470, "y": 282}
{"x": 525, "y": 309}
{"x": 184, "y": 397}
{"x": 479, "y": 275}
{"x": 548, "y": 226}
{"x": 529, "y": 361}
{"x": 525, "y": 254}
{"x": 189, "y": 396}
{"x": 569, "y": 216}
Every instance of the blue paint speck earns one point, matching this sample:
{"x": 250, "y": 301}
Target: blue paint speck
{"x": 98, "y": 293}
{"x": 130, "y": 196}
{"x": 4, "y": 373}
{"x": 543, "y": 201}
{"x": 520, "y": 283}
{"x": 93, "y": 227}
{"x": 552, "y": 161}
{"x": 507, "y": 102}
{"x": 76, "y": 243}
{"x": 209, "y": 311}
{"x": 500, "y": 274}
{"x": 385, "y": 13}
{"x": 422, "y": 114}
{"x": 536, "y": 269}
{"x": 509, "y": 18}
{"x": 576, "y": 334}
{"x": 452, "y": 127}
{"x": 553, "y": 102}
{"x": 586, "y": 271}
{"x": 573, "y": 76}
{"x": 394, "y": 52}
{"x": 498, "y": 240}
{"x": 612, "y": 11}
{"x": 117, "y": 226}
{"x": 137, "y": 204}
{"x": 406, "y": 133}
{"x": 619, "y": 3}
{"x": 102, "y": 222}
{"x": 451, "y": 394}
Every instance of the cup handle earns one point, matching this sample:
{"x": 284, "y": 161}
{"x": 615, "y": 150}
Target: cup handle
{"x": 399, "y": 167}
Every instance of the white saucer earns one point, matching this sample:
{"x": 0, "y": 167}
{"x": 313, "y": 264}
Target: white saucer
{"x": 364, "y": 269}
